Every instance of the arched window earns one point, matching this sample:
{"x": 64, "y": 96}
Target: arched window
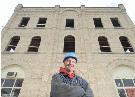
{"x": 104, "y": 45}
{"x": 13, "y": 43}
{"x": 126, "y": 44}
{"x": 11, "y": 81}
{"x": 69, "y": 44}
{"x": 34, "y": 45}
{"x": 125, "y": 81}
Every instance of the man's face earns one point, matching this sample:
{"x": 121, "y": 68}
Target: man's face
{"x": 70, "y": 64}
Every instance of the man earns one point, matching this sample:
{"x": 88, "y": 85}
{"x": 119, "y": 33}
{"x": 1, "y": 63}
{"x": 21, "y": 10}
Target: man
{"x": 66, "y": 83}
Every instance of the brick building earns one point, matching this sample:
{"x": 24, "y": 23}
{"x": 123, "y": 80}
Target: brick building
{"x": 35, "y": 40}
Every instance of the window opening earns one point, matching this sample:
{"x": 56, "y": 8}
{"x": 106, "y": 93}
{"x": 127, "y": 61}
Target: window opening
{"x": 34, "y": 45}
{"x": 98, "y": 23}
{"x": 24, "y": 21}
{"x": 69, "y": 44}
{"x": 126, "y": 45}
{"x": 104, "y": 45}
{"x": 70, "y": 23}
{"x": 115, "y": 22}
{"x": 41, "y": 22}
{"x": 13, "y": 44}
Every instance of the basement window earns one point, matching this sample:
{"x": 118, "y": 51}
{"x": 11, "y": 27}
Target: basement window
{"x": 34, "y": 45}
{"x": 115, "y": 22}
{"x": 24, "y": 21}
{"x": 126, "y": 44}
{"x": 13, "y": 44}
{"x": 69, "y": 44}
{"x": 104, "y": 45}
{"x": 41, "y": 22}
{"x": 69, "y": 23}
{"x": 98, "y": 23}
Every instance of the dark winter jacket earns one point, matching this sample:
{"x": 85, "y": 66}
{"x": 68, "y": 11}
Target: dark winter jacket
{"x": 63, "y": 86}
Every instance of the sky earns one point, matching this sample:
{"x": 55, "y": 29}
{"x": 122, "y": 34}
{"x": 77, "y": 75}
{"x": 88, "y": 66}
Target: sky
{"x": 7, "y": 6}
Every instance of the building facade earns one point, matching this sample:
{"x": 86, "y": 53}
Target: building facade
{"x": 35, "y": 40}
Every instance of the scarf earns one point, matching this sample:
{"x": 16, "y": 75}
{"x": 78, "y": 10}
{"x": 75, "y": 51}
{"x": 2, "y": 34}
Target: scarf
{"x": 64, "y": 71}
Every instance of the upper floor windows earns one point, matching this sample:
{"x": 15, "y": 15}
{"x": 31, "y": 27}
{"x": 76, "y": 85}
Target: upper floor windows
{"x": 104, "y": 45}
{"x": 41, "y": 22}
{"x": 69, "y": 23}
{"x": 126, "y": 44}
{"x": 69, "y": 44}
{"x": 34, "y": 45}
{"x": 98, "y": 23}
{"x": 13, "y": 43}
{"x": 115, "y": 22}
{"x": 24, "y": 21}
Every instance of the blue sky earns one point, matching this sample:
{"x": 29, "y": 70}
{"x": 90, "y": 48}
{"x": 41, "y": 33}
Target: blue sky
{"x": 7, "y": 6}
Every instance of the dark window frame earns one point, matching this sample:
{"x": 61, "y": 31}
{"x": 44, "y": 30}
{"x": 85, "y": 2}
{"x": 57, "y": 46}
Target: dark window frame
{"x": 69, "y": 44}
{"x": 115, "y": 22}
{"x": 98, "y": 22}
{"x": 69, "y": 23}
{"x": 35, "y": 43}
{"x": 104, "y": 44}
{"x": 126, "y": 44}
{"x": 24, "y": 22}
{"x": 41, "y": 22}
{"x": 13, "y": 43}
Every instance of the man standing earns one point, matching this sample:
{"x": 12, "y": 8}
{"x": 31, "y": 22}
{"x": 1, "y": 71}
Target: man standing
{"x": 66, "y": 83}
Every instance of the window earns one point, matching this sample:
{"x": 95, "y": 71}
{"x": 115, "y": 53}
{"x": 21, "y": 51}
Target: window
{"x": 115, "y": 22}
{"x": 34, "y": 45}
{"x": 10, "y": 87}
{"x": 69, "y": 44}
{"x": 24, "y": 21}
{"x": 69, "y": 23}
{"x": 104, "y": 46}
{"x": 41, "y": 22}
{"x": 126, "y": 45}
{"x": 125, "y": 87}
{"x": 98, "y": 23}
{"x": 13, "y": 43}
{"x": 124, "y": 78}
{"x": 12, "y": 78}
